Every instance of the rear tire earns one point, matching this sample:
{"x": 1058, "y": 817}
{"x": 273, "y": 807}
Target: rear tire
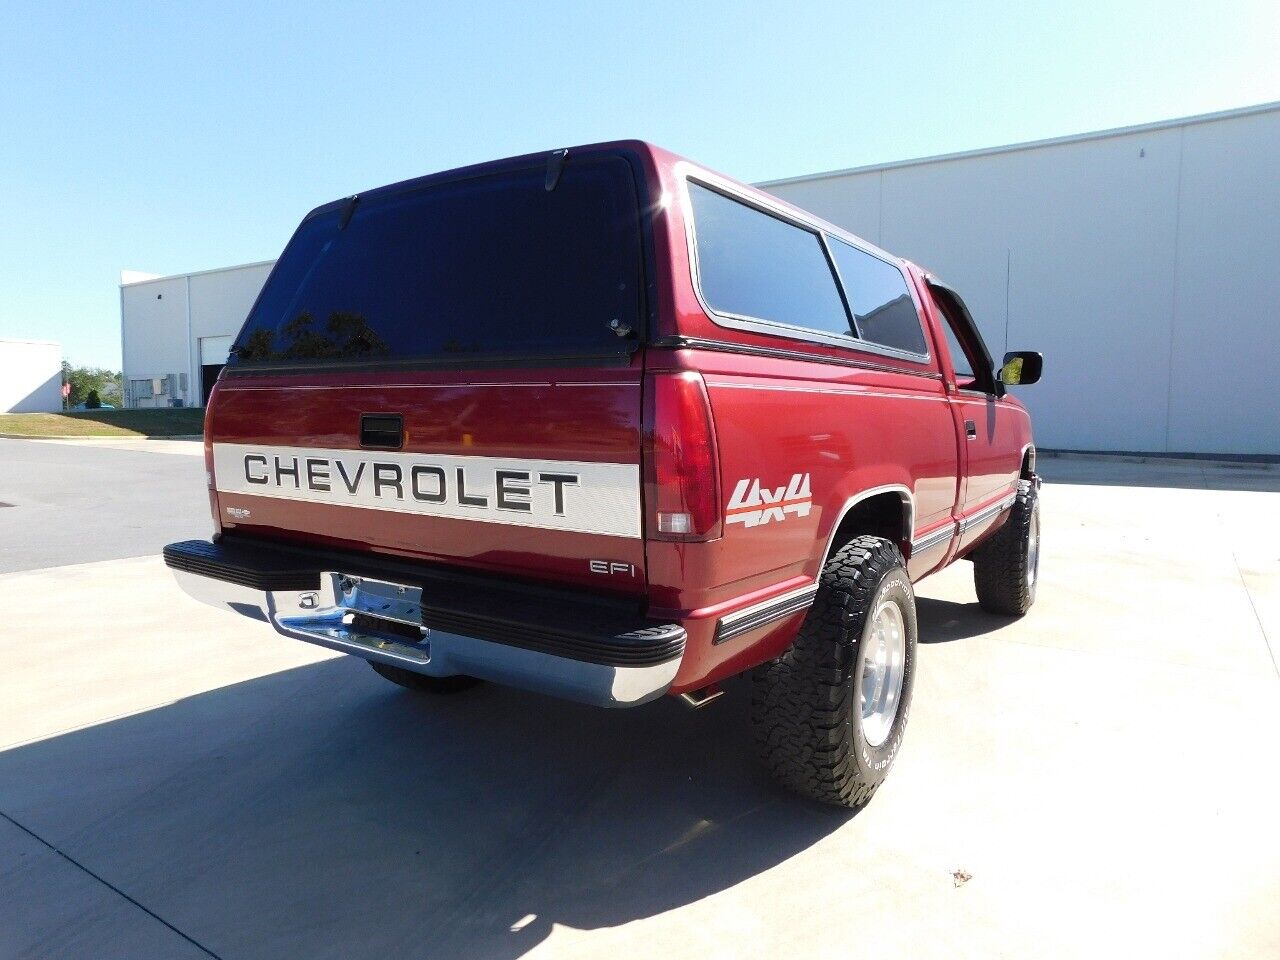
{"x": 420, "y": 682}
{"x": 817, "y": 725}
{"x": 1006, "y": 569}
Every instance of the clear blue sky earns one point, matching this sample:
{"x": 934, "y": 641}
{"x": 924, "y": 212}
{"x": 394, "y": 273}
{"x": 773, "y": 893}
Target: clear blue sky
{"x": 172, "y": 137}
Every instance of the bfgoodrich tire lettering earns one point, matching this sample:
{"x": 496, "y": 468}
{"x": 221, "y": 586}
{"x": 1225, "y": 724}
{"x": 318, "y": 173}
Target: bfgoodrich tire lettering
{"x": 807, "y": 705}
{"x": 1006, "y": 567}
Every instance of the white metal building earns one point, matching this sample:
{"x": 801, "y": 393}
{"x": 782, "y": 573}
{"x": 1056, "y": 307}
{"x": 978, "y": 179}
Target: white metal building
{"x": 1139, "y": 261}
{"x": 30, "y": 376}
{"x": 175, "y": 331}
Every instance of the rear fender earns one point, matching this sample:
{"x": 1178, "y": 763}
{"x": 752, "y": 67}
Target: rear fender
{"x": 845, "y": 499}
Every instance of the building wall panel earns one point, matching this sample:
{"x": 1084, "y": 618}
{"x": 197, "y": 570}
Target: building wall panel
{"x": 30, "y": 376}
{"x": 166, "y": 320}
{"x": 155, "y": 335}
{"x": 1136, "y": 262}
{"x": 1226, "y": 336}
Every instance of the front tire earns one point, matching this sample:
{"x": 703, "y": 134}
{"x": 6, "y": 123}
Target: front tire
{"x": 1006, "y": 569}
{"x": 829, "y": 714}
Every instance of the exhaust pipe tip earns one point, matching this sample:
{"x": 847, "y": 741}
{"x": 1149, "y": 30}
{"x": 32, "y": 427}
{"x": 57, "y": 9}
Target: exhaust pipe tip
{"x": 697, "y": 699}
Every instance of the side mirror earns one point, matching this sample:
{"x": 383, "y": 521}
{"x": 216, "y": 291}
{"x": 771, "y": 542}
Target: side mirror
{"x": 1021, "y": 368}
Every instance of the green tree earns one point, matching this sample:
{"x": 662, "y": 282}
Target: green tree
{"x": 107, "y": 384}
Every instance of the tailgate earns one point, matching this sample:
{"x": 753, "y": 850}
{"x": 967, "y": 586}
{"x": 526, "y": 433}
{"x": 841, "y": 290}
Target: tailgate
{"x": 538, "y": 477}
{"x": 450, "y": 370}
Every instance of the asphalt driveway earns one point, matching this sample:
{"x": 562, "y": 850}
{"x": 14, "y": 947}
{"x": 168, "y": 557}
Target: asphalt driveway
{"x": 75, "y": 502}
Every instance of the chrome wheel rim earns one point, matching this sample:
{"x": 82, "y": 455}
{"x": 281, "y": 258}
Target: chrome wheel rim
{"x": 884, "y": 655}
{"x": 1033, "y": 550}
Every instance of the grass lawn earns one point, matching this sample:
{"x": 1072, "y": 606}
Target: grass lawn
{"x": 164, "y": 422}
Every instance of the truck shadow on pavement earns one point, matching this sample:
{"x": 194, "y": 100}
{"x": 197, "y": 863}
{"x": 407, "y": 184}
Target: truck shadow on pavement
{"x": 942, "y": 621}
{"x": 322, "y": 812}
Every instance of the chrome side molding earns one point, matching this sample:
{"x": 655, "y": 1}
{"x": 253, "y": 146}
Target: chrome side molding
{"x": 763, "y": 613}
{"x": 986, "y": 513}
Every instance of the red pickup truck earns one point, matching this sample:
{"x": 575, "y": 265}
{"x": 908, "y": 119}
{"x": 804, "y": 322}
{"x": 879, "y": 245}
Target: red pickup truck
{"x": 604, "y": 424}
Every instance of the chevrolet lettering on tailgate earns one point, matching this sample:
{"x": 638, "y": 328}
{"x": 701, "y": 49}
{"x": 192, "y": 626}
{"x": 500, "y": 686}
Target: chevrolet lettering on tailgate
{"x": 584, "y": 497}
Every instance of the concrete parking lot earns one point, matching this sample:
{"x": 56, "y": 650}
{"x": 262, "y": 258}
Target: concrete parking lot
{"x": 1099, "y": 779}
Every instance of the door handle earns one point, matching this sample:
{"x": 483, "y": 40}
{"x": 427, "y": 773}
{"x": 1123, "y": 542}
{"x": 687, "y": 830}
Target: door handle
{"x": 970, "y": 430}
{"x": 382, "y": 431}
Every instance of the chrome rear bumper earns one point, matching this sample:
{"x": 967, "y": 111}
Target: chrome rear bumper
{"x": 382, "y": 621}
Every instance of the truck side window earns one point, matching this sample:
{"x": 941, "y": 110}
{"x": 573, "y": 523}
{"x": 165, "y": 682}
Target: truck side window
{"x": 959, "y": 356}
{"x": 877, "y": 292}
{"x": 756, "y": 266}
{"x": 969, "y": 354}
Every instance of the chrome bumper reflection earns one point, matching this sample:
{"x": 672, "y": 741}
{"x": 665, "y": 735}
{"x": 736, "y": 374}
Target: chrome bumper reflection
{"x": 336, "y": 616}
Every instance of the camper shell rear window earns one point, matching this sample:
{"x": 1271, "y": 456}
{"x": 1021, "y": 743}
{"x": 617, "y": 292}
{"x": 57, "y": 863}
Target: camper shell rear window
{"x": 503, "y": 265}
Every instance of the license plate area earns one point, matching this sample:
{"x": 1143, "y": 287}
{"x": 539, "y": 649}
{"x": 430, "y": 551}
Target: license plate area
{"x": 362, "y": 614}
{"x": 397, "y": 602}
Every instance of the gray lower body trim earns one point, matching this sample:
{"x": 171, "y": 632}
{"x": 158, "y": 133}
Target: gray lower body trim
{"x": 761, "y": 614}
{"x": 933, "y": 539}
{"x": 323, "y": 618}
{"x": 986, "y": 513}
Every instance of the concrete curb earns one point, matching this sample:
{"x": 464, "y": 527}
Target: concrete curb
{"x": 1241, "y": 462}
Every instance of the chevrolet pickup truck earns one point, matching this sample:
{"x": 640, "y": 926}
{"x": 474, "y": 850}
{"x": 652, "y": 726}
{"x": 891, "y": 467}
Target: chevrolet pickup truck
{"x": 606, "y": 425}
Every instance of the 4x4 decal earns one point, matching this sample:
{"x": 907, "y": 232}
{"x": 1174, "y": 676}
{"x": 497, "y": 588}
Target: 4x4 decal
{"x": 752, "y": 505}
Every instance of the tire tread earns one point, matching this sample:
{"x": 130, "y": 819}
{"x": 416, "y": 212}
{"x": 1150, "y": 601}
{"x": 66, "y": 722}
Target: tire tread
{"x": 803, "y": 703}
{"x": 1000, "y": 564}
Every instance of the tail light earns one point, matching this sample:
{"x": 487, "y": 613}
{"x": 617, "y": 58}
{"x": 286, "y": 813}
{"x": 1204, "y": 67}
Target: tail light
{"x": 683, "y": 474}
{"x": 211, "y": 484}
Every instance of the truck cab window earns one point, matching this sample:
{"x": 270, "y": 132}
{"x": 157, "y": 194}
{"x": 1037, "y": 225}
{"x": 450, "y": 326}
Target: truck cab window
{"x": 756, "y": 266}
{"x": 960, "y": 358}
{"x": 878, "y": 296}
{"x": 969, "y": 356}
